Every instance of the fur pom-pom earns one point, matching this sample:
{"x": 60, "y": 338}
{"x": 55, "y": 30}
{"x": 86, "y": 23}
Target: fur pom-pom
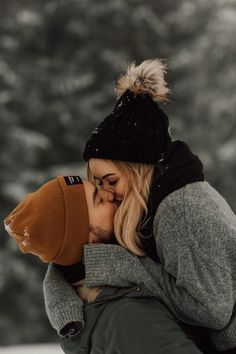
{"x": 146, "y": 78}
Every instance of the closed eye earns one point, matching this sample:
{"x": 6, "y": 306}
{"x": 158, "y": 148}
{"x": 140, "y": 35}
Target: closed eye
{"x": 98, "y": 182}
{"x": 112, "y": 183}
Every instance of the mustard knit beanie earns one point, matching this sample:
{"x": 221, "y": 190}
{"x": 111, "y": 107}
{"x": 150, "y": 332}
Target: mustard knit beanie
{"x": 52, "y": 223}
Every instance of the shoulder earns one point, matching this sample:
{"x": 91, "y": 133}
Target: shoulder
{"x": 195, "y": 213}
{"x": 198, "y": 198}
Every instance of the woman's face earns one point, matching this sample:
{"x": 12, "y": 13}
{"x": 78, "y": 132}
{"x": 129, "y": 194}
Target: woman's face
{"x": 108, "y": 177}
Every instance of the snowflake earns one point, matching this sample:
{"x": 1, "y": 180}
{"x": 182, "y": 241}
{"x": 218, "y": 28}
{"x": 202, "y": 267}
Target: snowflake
{"x": 26, "y": 241}
{"x": 96, "y": 130}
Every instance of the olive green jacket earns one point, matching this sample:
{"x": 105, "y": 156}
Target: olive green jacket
{"x": 126, "y": 321}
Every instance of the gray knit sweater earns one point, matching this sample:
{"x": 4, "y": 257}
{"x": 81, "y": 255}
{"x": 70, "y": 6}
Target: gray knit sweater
{"x": 195, "y": 233}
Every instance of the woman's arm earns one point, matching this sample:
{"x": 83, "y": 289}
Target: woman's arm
{"x": 196, "y": 296}
{"x": 63, "y": 305}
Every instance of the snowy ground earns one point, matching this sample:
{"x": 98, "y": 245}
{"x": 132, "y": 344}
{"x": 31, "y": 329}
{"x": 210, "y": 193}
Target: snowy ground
{"x": 32, "y": 349}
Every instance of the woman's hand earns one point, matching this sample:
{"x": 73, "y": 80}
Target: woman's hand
{"x": 86, "y": 294}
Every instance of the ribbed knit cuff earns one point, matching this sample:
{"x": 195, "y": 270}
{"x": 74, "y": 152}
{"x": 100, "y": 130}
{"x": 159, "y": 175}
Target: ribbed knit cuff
{"x": 62, "y": 303}
{"x": 105, "y": 264}
{"x": 225, "y": 339}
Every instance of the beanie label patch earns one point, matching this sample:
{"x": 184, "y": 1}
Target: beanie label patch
{"x": 72, "y": 180}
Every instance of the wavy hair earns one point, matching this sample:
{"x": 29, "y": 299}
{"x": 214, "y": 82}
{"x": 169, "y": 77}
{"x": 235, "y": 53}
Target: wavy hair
{"x": 129, "y": 215}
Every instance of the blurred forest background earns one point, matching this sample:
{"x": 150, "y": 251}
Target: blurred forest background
{"x": 59, "y": 61}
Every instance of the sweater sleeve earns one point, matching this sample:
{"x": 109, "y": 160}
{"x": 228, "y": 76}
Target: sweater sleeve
{"x": 62, "y": 303}
{"x": 113, "y": 265}
{"x": 193, "y": 231}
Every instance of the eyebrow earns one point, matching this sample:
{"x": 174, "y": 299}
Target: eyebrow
{"x": 108, "y": 175}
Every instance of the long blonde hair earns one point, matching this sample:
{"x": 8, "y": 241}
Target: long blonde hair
{"x": 128, "y": 217}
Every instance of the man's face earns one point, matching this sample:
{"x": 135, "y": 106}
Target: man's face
{"x": 101, "y": 209}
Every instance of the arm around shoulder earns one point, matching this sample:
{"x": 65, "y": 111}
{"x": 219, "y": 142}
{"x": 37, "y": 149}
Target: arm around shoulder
{"x": 62, "y": 303}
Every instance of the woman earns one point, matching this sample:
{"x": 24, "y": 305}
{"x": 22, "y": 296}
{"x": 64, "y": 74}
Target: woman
{"x": 167, "y": 212}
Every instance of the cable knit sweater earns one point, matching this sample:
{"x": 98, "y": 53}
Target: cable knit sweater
{"x": 195, "y": 233}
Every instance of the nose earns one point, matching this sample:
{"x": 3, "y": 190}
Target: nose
{"x": 105, "y": 187}
{"x": 106, "y": 195}
{"x": 109, "y": 188}
{"x": 116, "y": 197}
{"x": 92, "y": 238}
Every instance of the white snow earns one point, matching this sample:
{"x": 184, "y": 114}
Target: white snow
{"x": 32, "y": 349}
{"x": 26, "y": 241}
{"x": 8, "y": 228}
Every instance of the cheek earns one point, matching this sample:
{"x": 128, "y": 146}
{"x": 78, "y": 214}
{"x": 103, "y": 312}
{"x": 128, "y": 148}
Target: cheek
{"x": 121, "y": 189}
{"x": 110, "y": 213}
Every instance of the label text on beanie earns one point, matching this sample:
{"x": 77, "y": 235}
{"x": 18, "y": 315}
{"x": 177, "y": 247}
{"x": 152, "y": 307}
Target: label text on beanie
{"x": 71, "y": 180}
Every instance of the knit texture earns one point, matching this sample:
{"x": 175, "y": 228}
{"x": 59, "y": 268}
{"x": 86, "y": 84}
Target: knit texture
{"x": 61, "y": 301}
{"x": 136, "y": 131}
{"x": 46, "y": 222}
{"x": 195, "y": 233}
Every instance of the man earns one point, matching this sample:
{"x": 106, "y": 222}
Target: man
{"x": 54, "y": 223}
{"x": 56, "y": 220}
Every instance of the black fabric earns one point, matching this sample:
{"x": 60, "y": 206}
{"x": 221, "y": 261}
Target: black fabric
{"x": 199, "y": 336}
{"x": 176, "y": 168}
{"x": 229, "y": 351}
{"x": 71, "y": 329}
{"x": 136, "y": 131}
{"x": 72, "y": 273}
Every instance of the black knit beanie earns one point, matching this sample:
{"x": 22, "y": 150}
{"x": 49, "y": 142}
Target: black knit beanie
{"x": 137, "y": 130}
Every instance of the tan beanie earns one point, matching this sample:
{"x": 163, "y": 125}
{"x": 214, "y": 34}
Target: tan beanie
{"x": 52, "y": 223}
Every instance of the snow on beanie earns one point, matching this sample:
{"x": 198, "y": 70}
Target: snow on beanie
{"x": 52, "y": 223}
{"x": 137, "y": 130}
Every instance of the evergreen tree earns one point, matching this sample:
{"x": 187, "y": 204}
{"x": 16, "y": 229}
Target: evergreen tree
{"x": 59, "y": 61}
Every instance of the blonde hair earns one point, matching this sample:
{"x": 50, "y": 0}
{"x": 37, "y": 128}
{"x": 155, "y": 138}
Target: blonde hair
{"x": 127, "y": 222}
